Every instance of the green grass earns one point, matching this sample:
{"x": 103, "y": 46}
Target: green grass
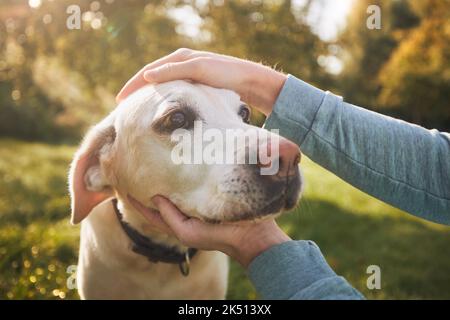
{"x": 353, "y": 230}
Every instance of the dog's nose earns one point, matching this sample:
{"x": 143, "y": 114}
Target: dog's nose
{"x": 288, "y": 159}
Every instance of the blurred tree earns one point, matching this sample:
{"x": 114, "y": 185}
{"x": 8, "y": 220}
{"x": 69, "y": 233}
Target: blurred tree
{"x": 58, "y": 80}
{"x": 416, "y": 79}
{"x": 365, "y": 50}
{"x": 272, "y": 32}
{"x": 403, "y": 68}
{"x": 55, "y": 81}
{"x": 25, "y": 111}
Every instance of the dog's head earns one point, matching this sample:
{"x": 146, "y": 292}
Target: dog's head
{"x": 137, "y": 149}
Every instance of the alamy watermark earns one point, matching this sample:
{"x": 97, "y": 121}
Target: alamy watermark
{"x": 230, "y": 146}
{"x": 374, "y": 19}
{"x": 73, "y": 21}
{"x": 75, "y": 17}
{"x": 374, "y": 280}
{"x": 71, "y": 281}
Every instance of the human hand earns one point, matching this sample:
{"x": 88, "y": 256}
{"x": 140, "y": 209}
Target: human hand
{"x": 257, "y": 85}
{"x": 243, "y": 242}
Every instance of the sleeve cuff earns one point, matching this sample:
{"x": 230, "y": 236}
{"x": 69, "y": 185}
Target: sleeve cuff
{"x": 285, "y": 269}
{"x": 295, "y": 109}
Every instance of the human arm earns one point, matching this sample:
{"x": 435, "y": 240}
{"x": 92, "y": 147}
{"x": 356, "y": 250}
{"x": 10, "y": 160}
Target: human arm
{"x": 402, "y": 164}
{"x": 397, "y": 162}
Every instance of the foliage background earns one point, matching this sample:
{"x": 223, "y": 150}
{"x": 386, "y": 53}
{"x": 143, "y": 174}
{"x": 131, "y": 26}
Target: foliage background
{"x": 55, "y": 83}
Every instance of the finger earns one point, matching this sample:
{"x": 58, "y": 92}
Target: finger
{"x": 190, "y": 231}
{"x": 174, "y": 71}
{"x": 138, "y": 81}
{"x": 173, "y": 217}
{"x": 151, "y": 215}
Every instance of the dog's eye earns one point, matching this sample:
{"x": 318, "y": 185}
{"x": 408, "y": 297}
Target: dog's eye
{"x": 177, "y": 120}
{"x": 244, "y": 113}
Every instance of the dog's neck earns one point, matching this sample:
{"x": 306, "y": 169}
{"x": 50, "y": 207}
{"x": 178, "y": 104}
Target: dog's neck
{"x": 135, "y": 219}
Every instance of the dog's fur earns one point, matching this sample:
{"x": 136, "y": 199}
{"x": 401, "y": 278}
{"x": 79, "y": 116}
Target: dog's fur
{"x": 128, "y": 153}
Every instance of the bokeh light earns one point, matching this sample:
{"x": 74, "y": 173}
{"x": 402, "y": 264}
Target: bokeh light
{"x": 34, "y": 3}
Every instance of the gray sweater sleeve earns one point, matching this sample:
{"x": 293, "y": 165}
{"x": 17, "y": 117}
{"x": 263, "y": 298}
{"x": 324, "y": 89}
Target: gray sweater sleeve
{"x": 400, "y": 163}
{"x": 397, "y": 162}
{"x": 297, "y": 270}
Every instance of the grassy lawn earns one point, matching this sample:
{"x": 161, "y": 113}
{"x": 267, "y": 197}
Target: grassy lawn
{"x": 353, "y": 230}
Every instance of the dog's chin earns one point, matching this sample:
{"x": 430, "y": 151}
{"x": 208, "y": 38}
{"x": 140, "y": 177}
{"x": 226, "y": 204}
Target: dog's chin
{"x": 269, "y": 211}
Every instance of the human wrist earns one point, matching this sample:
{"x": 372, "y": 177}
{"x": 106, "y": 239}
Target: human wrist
{"x": 255, "y": 242}
{"x": 262, "y": 87}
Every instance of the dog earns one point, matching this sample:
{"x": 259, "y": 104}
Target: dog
{"x": 129, "y": 154}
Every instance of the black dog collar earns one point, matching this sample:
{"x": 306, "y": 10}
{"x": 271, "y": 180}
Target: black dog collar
{"x": 153, "y": 251}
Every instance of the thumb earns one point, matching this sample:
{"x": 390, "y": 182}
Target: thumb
{"x": 174, "y": 218}
{"x": 151, "y": 215}
{"x": 190, "y": 231}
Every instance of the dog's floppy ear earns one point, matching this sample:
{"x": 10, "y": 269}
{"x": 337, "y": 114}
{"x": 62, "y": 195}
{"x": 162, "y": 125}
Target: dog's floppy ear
{"x": 89, "y": 183}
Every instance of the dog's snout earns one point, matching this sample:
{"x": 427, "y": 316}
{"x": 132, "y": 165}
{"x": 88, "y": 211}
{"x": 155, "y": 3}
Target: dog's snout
{"x": 288, "y": 158}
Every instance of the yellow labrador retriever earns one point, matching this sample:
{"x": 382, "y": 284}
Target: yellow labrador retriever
{"x": 131, "y": 152}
